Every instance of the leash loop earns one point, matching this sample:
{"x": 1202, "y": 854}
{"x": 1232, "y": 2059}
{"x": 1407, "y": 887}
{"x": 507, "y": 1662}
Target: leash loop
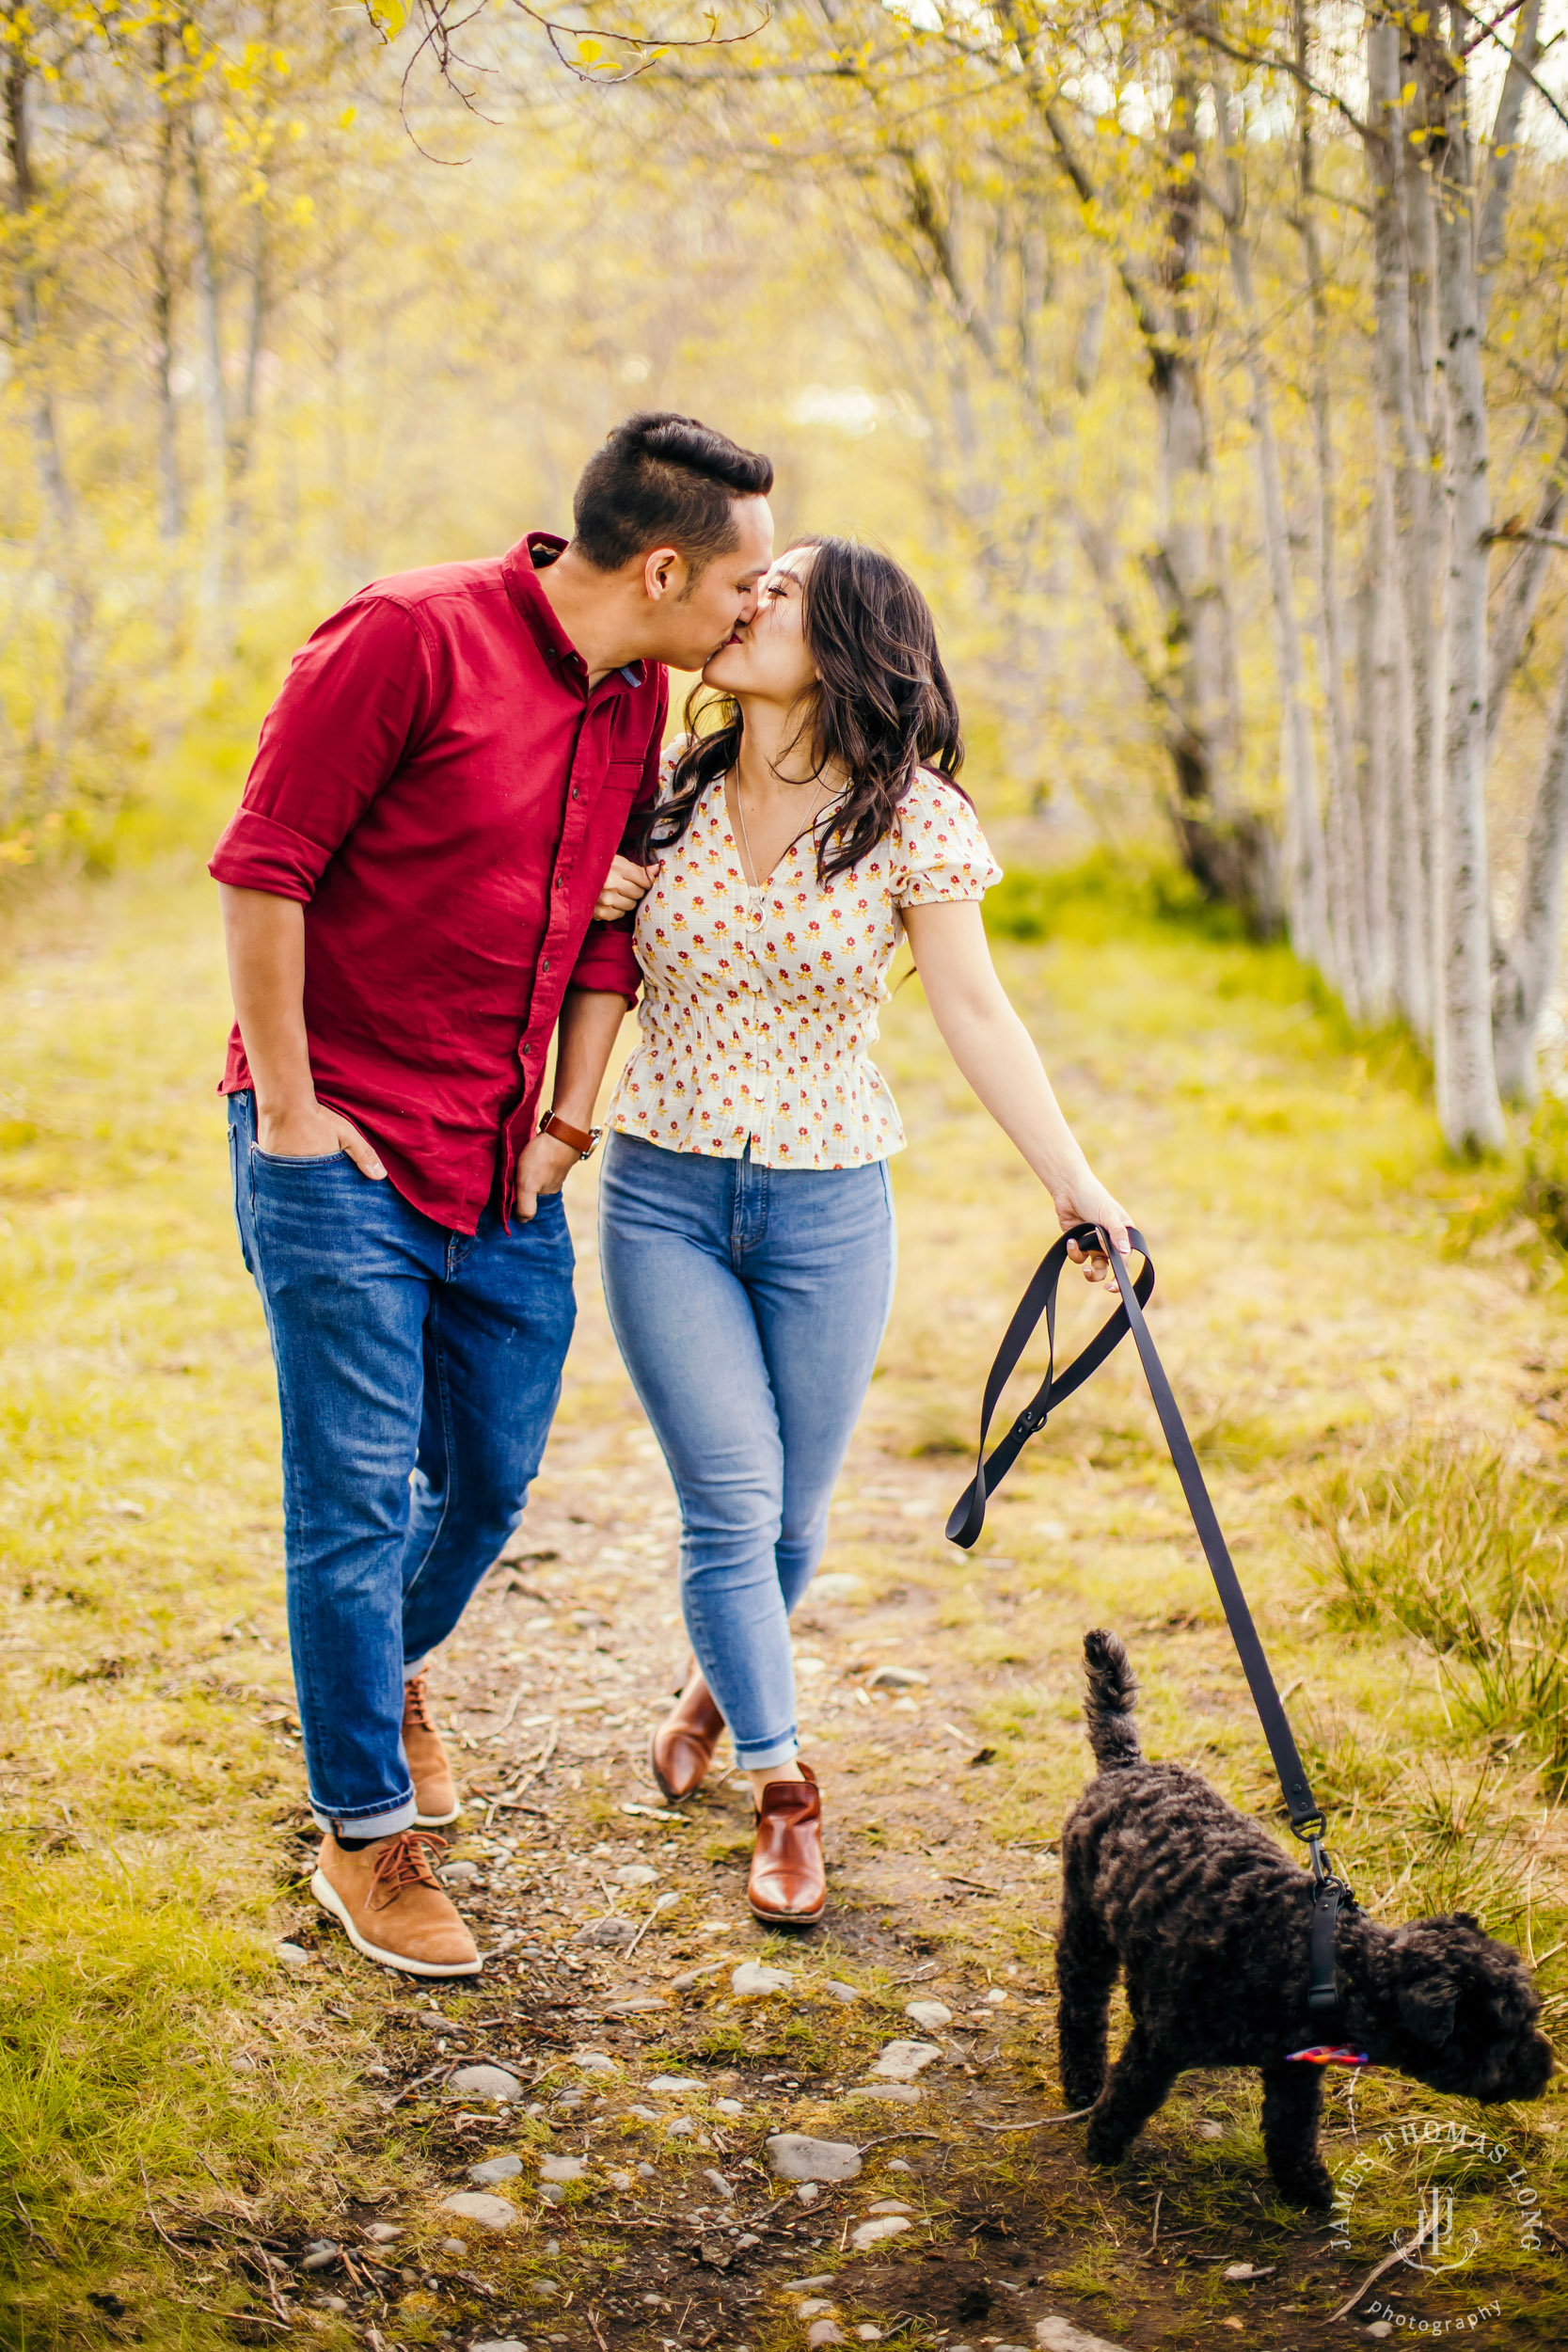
{"x": 968, "y": 1516}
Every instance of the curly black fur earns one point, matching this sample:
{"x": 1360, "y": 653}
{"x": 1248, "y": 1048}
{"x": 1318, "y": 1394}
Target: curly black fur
{"x": 1210, "y": 1922}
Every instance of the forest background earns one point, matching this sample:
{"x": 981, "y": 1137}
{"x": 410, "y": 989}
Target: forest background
{"x": 1207, "y": 363}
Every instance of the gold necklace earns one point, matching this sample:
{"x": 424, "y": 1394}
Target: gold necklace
{"x": 745, "y": 837}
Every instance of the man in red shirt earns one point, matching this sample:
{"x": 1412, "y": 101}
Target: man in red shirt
{"x": 409, "y": 888}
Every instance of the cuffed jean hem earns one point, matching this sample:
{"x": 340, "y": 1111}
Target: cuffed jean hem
{"x": 761, "y": 1760}
{"x": 368, "y": 1825}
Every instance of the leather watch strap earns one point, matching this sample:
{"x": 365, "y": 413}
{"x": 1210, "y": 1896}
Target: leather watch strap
{"x": 581, "y": 1139}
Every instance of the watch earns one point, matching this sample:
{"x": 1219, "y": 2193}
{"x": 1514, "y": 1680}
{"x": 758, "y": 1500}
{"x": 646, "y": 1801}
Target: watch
{"x": 581, "y": 1139}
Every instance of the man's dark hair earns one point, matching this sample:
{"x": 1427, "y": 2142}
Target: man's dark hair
{"x": 664, "y": 481}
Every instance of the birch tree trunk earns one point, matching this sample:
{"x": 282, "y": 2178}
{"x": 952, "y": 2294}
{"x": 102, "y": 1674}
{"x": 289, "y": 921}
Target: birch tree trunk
{"x": 171, "y": 518}
{"x": 1182, "y": 567}
{"x": 1503, "y": 155}
{"x": 1521, "y": 588}
{"x": 1407, "y": 544}
{"x": 1305, "y": 879}
{"x": 1468, "y": 1107}
{"x": 1376, "y": 694}
{"x": 213, "y": 396}
{"x": 1528, "y": 967}
{"x": 1346, "y": 851}
{"x": 60, "y": 505}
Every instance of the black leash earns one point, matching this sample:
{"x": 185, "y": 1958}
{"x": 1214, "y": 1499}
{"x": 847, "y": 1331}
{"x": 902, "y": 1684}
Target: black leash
{"x": 1306, "y": 1816}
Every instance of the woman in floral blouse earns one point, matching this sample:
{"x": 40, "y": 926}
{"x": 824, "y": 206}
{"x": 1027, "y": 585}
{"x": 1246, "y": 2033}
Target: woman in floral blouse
{"x": 746, "y": 1220}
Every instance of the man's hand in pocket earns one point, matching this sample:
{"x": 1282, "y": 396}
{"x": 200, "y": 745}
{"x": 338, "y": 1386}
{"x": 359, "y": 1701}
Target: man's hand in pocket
{"x": 308, "y": 1131}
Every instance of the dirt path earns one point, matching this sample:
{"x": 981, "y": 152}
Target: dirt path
{"x": 939, "y": 1698}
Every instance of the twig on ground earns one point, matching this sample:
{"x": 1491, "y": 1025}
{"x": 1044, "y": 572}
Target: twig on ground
{"x": 957, "y": 1877}
{"x": 185, "y": 2253}
{"x": 259, "y": 2260}
{"x": 866, "y": 2146}
{"x": 662, "y": 1902}
{"x": 445, "y": 2067}
{"x": 252, "y": 2319}
{"x": 932, "y": 1968}
{"x": 1038, "y": 2124}
{"x": 593, "y": 2321}
{"x": 1561, "y": 2243}
{"x": 510, "y": 1800}
{"x": 505, "y": 1724}
{"x": 1154, "y": 2238}
{"x": 1399, "y": 2254}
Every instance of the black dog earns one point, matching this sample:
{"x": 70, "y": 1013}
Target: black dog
{"x": 1211, "y": 1923}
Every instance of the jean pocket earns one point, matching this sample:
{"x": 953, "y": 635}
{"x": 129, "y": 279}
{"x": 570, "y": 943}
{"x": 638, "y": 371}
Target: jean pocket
{"x": 287, "y": 1159}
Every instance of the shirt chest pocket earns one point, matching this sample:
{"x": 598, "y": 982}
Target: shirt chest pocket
{"x": 612, "y": 802}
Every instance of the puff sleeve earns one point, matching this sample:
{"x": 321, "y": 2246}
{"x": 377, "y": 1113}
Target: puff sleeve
{"x": 941, "y": 854}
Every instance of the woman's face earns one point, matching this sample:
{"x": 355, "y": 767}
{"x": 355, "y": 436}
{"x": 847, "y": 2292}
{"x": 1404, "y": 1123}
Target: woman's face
{"x": 766, "y": 660}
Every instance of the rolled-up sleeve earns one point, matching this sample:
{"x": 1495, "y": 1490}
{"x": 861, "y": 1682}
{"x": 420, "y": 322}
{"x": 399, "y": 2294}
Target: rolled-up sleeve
{"x": 608, "y": 958}
{"x": 354, "y": 701}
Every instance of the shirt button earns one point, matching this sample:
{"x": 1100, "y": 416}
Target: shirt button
{"x": 545, "y": 965}
{"x": 574, "y": 793}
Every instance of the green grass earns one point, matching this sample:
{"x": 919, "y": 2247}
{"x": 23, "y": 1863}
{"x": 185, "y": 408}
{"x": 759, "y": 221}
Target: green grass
{"x": 1407, "y": 1579}
{"x": 1466, "y": 1546}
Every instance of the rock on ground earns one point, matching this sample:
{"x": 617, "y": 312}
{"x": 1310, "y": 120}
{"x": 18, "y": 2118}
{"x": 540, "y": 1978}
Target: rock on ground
{"x": 872, "y": 2233}
{"x": 491, "y": 2213}
{"x": 1056, "y": 2334}
{"x": 795, "y": 2156}
{"x": 751, "y": 1980}
{"x": 496, "y": 2169}
{"x": 483, "y": 2082}
{"x": 901, "y": 2061}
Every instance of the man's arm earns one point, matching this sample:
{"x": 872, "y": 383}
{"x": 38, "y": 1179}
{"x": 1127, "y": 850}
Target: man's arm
{"x": 265, "y": 939}
{"x": 591, "y": 1019}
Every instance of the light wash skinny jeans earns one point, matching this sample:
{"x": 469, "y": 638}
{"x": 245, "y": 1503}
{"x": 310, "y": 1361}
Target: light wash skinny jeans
{"x": 749, "y": 1304}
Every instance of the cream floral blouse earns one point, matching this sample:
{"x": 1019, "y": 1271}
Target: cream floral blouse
{"x": 759, "y": 1002}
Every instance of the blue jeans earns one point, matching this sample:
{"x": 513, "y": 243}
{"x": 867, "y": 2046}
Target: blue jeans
{"x": 418, "y": 1374}
{"x": 749, "y": 1304}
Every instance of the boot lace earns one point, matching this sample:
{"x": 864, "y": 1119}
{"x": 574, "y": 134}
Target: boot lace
{"x": 404, "y": 1862}
{"x": 416, "y": 1704}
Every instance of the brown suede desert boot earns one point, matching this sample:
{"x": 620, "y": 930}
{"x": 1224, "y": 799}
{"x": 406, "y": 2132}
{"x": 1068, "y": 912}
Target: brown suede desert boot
{"x": 789, "y": 1883}
{"x": 387, "y": 1898}
{"x": 682, "y": 1748}
{"x": 435, "y": 1798}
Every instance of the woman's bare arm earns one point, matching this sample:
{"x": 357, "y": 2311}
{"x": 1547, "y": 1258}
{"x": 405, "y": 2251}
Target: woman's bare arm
{"x": 999, "y": 1058}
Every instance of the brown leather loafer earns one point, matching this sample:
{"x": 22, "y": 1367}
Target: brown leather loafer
{"x": 681, "y": 1750}
{"x": 788, "y": 1882}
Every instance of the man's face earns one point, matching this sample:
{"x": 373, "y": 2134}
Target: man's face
{"x": 693, "y": 620}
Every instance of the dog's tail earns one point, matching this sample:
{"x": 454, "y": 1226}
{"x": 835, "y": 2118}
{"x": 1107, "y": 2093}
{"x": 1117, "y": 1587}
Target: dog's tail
{"x": 1113, "y": 1695}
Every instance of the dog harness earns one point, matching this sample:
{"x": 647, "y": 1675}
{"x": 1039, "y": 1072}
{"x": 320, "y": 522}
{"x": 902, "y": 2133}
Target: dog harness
{"x": 1307, "y": 1820}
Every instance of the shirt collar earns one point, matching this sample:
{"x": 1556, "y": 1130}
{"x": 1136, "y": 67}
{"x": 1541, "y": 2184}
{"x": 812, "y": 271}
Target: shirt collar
{"x": 520, "y": 568}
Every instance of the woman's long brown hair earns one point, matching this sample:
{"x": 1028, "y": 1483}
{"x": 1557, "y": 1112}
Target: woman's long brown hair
{"x": 881, "y": 708}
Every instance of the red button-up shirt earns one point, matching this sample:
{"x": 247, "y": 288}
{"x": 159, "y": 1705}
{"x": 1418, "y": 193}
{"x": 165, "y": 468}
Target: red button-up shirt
{"x": 438, "y": 788}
